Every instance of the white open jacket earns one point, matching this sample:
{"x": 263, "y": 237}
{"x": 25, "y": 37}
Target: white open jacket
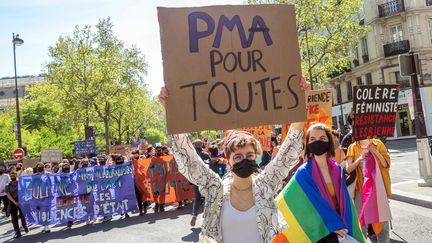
{"x": 215, "y": 190}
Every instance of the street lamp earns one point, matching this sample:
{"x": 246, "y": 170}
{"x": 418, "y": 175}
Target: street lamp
{"x": 17, "y": 42}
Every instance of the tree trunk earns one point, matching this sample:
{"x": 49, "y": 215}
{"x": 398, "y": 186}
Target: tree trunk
{"x": 119, "y": 129}
{"x": 107, "y": 142}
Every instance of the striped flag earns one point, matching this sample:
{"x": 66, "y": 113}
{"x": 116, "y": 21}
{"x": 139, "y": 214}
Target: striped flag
{"x": 309, "y": 215}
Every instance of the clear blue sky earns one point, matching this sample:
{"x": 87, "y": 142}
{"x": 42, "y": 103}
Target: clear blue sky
{"x": 40, "y": 22}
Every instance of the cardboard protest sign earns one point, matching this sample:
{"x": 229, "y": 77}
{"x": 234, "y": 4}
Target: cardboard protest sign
{"x": 51, "y": 155}
{"x": 319, "y": 109}
{"x": 375, "y": 108}
{"x": 231, "y": 66}
{"x": 262, "y": 134}
{"x": 87, "y": 193}
{"x": 159, "y": 180}
{"x": 121, "y": 149}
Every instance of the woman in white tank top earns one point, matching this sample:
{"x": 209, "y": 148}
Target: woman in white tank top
{"x": 240, "y": 207}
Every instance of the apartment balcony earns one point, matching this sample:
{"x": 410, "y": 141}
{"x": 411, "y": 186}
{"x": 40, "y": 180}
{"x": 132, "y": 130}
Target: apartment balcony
{"x": 391, "y": 8}
{"x": 428, "y": 2}
{"x": 356, "y": 63}
{"x": 339, "y": 72}
{"x": 396, "y": 48}
{"x": 365, "y": 58}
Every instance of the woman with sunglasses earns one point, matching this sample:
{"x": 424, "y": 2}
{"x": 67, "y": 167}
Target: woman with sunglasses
{"x": 239, "y": 207}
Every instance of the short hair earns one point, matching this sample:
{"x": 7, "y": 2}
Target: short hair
{"x": 326, "y": 129}
{"x": 136, "y": 151}
{"x": 242, "y": 141}
{"x": 214, "y": 150}
{"x": 198, "y": 143}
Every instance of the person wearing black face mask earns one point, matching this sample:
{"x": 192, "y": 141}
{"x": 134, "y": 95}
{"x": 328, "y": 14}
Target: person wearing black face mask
{"x": 15, "y": 211}
{"x": 321, "y": 178}
{"x": 240, "y": 207}
{"x": 39, "y": 169}
{"x": 84, "y": 163}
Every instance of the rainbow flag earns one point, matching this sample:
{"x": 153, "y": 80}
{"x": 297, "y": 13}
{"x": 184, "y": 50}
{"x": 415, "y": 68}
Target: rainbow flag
{"x": 375, "y": 207}
{"x": 309, "y": 215}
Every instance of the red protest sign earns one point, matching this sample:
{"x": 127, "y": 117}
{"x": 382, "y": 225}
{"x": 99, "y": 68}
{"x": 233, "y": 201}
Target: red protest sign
{"x": 159, "y": 180}
{"x": 262, "y": 134}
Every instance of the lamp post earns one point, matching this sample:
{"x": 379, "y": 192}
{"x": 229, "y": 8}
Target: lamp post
{"x": 17, "y": 42}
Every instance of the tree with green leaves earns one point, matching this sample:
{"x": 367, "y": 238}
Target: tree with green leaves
{"x": 94, "y": 72}
{"x": 328, "y": 30}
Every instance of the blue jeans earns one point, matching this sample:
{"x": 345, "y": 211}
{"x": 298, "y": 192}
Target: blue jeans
{"x": 197, "y": 202}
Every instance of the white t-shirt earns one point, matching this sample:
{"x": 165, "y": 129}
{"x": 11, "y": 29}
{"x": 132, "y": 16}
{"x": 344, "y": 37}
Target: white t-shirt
{"x": 4, "y": 181}
{"x": 239, "y": 226}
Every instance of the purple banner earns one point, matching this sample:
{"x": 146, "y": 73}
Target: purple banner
{"x": 87, "y": 193}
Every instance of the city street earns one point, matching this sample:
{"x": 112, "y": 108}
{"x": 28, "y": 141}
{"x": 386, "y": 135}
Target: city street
{"x": 410, "y": 223}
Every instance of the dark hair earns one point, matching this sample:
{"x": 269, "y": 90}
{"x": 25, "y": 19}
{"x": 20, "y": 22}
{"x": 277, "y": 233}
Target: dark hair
{"x": 136, "y": 151}
{"x": 213, "y": 149}
{"x": 349, "y": 118}
{"x": 336, "y": 133}
{"x": 326, "y": 129}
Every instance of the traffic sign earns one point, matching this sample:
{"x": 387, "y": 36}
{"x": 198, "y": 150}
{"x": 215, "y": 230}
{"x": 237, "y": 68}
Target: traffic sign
{"x": 18, "y": 153}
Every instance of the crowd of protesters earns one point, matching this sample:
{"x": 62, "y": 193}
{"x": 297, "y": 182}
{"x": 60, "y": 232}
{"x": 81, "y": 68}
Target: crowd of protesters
{"x": 350, "y": 155}
{"x": 9, "y": 182}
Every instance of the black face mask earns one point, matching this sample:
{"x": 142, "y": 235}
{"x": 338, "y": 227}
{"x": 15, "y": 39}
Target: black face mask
{"x": 18, "y": 168}
{"x": 84, "y": 165}
{"x": 245, "y": 168}
{"x": 13, "y": 178}
{"x": 66, "y": 170}
{"x": 319, "y": 147}
{"x": 102, "y": 162}
{"x": 1, "y": 172}
{"x": 40, "y": 169}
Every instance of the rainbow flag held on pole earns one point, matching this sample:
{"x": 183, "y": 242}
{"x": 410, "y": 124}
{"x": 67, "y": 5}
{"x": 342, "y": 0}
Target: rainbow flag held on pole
{"x": 308, "y": 214}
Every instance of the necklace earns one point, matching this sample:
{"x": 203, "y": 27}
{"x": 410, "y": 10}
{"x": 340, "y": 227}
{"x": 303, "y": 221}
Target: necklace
{"x": 242, "y": 190}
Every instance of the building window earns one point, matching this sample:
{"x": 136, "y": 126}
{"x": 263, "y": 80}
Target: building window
{"x": 365, "y": 52}
{"x": 369, "y": 79}
{"x": 404, "y": 82}
{"x": 396, "y": 33}
{"x": 359, "y": 81}
{"x": 338, "y": 94}
{"x": 334, "y": 120}
{"x": 356, "y": 57}
{"x": 356, "y": 52}
{"x": 430, "y": 28}
{"x": 349, "y": 90}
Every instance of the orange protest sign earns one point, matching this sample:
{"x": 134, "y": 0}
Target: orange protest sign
{"x": 262, "y": 134}
{"x": 319, "y": 109}
{"x": 159, "y": 180}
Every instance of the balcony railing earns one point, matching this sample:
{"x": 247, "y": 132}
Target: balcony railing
{"x": 391, "y": 8}
{"x": 356, "y": 63}
{"x": 428, "y": 2}
{"x": 396, "y": 48}
{"x": 365, "y": 58}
